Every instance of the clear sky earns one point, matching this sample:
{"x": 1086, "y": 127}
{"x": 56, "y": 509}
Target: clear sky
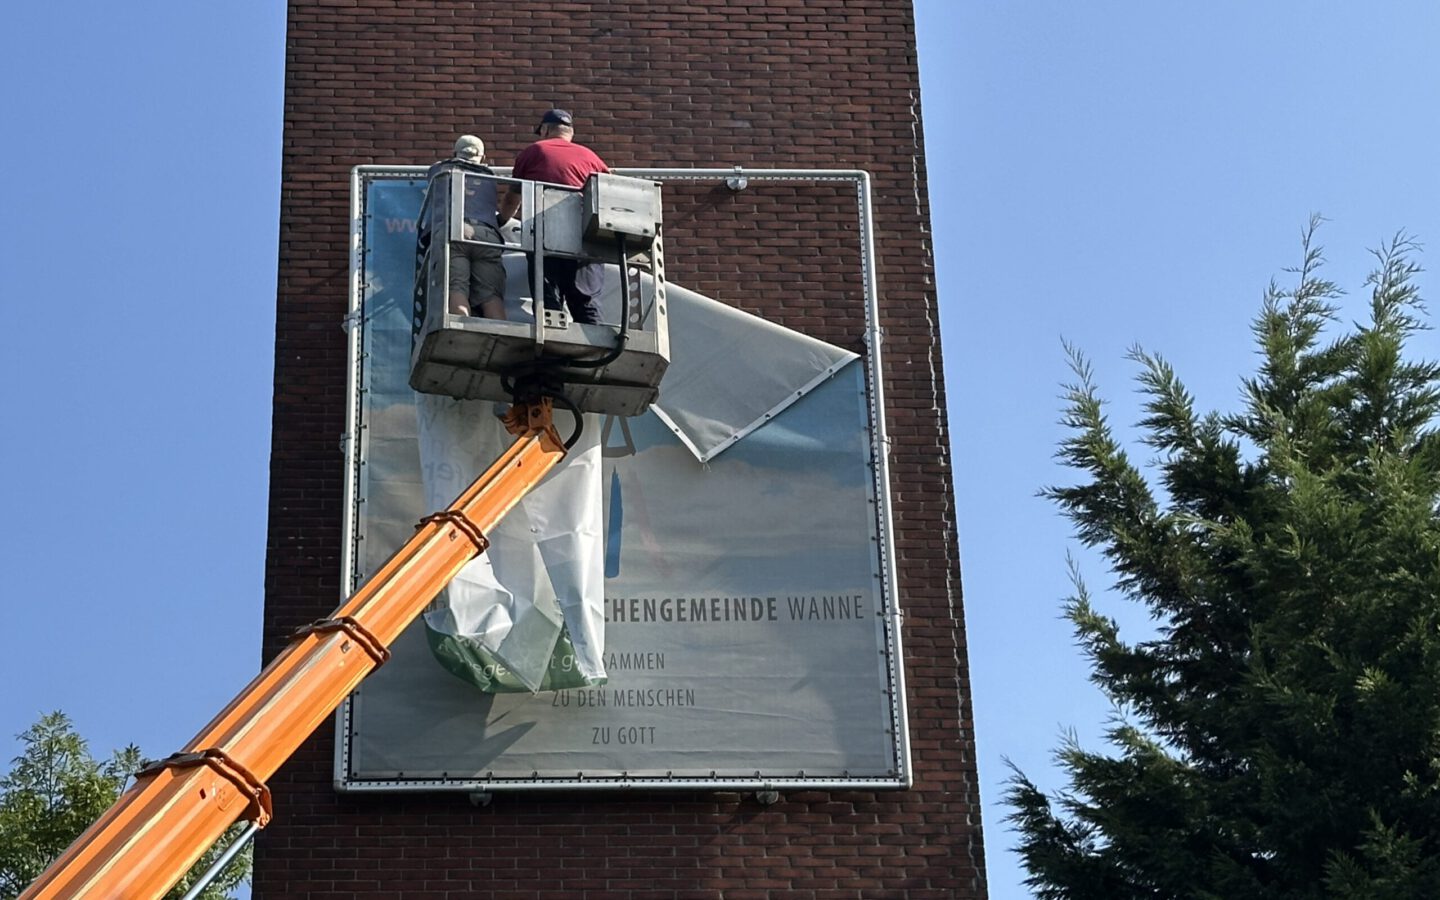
{"x": 1105, "y": 173}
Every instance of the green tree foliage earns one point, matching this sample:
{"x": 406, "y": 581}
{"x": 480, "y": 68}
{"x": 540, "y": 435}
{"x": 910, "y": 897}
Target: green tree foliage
{"x": 55, "y": 789}
{"x": 1279, "y": 735}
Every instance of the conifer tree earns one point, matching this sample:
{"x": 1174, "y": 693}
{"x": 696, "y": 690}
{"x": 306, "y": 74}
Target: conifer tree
{"x": 1279, "y": 735}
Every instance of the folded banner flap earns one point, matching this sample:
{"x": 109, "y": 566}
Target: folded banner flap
{"x": 731, "y": 372}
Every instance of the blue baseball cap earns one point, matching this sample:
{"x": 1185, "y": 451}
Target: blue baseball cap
{"x": 555, "y": 117}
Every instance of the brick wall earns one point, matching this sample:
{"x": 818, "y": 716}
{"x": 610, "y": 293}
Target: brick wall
{"x": 706, "y": 83}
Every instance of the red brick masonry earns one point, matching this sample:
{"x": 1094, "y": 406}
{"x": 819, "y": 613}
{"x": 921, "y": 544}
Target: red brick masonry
{"x": 703, "y": 83}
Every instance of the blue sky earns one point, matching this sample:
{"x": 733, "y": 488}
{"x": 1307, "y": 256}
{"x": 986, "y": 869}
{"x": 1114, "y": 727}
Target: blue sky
{"x": 1105, "y": 173}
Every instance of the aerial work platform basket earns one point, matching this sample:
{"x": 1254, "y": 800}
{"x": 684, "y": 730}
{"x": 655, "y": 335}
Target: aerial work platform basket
{"x": 613, "y": 367}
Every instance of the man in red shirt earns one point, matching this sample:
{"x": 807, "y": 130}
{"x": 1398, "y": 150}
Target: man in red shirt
{"x": 556, "y": 158}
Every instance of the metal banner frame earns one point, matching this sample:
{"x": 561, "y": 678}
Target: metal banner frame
{"x": 355, "y": 443}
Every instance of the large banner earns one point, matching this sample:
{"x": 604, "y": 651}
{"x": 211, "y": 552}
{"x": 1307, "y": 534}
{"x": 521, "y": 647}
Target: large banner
{"x": 748, "y": 641}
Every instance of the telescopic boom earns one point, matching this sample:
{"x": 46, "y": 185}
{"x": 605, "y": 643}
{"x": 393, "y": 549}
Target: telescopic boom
{"x": 180, "y": 806}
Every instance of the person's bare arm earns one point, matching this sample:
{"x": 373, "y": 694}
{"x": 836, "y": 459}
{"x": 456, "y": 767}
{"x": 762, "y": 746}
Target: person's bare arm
{"x": 509, "y": 205}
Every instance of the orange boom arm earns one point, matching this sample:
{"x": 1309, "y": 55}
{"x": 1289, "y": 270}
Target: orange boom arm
{"x": 180, "y": 806}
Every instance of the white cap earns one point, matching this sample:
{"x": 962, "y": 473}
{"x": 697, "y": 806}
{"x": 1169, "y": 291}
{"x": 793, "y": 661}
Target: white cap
{"x": 469, "y": 148}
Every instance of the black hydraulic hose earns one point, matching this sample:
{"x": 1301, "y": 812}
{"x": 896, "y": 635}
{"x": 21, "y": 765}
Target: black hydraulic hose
{"x": 529, "y": 386}
{"x": 560, "y": 400}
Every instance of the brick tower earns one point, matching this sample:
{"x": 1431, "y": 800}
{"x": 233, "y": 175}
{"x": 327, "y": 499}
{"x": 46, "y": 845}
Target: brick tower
{"x": 815, "y": 84}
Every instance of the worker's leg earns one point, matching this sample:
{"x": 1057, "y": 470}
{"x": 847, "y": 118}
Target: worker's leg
{"x": 583, "y": 308}
{"x": 493, "y": 308}
{"x": 551, "y": 298}
{"x": 459, "y": 302}
{"x": 585, "y": 289}
{"x": 487, "y": 279}
{"x": 563, "y": 272}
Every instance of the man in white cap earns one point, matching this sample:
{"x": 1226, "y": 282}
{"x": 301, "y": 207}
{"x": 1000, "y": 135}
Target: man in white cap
{"x": 477, "y": 277}
{"x": 556, "y": 158}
